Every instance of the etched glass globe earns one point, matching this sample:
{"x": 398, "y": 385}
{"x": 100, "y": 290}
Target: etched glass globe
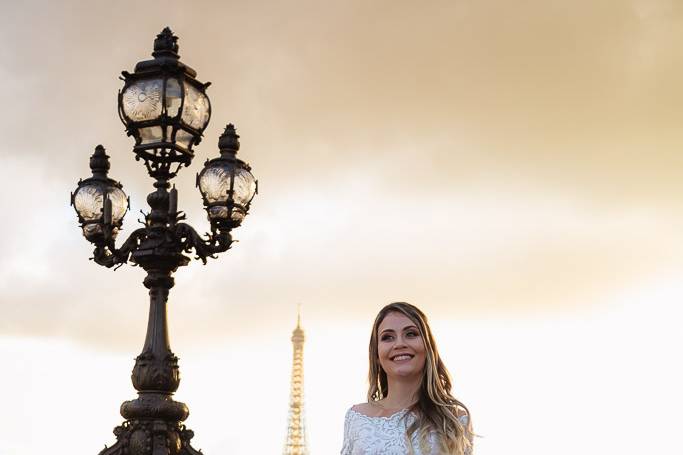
{"x": 228, "y": 188}
{"x": 196, "y": 108}
{"x": 142, "y": 100}
{"x": 88, "y": 200}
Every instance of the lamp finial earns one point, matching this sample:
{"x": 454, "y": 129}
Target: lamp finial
{"x": 229, "y": 141}
{"x": 166, "y": 44}
{"x": 99, "y": 162}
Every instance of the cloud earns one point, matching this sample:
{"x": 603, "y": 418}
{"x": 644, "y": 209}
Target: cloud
{"x": 481, "y": 157}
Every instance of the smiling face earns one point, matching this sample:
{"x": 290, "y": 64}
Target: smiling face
{"x": 400, "y": 346}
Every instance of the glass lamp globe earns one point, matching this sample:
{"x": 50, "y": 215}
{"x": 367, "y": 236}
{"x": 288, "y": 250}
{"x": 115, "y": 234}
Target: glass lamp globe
{"x": 227, "y": 184}
{"x": 90, "y": 196}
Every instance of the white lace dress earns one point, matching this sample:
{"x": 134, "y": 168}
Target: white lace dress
{"x": 364, "y": 435}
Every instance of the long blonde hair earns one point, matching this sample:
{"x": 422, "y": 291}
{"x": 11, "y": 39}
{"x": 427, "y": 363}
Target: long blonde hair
{"x": 436, "y": 409}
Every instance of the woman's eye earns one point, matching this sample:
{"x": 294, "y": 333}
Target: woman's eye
{"x": 386, "y": 337}
{"x": 412, "y": 334}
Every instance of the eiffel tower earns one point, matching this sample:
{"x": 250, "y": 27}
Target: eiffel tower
{"x": 296, "y": 429}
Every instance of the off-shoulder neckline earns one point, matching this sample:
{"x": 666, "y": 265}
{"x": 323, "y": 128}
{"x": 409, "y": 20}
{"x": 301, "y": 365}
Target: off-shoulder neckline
{"x": 402, "y": 411}
{"x": 463, "y": 418}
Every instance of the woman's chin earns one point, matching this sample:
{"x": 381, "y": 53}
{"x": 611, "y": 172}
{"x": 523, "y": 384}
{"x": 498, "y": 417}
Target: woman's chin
{"x": 404, "y": 372}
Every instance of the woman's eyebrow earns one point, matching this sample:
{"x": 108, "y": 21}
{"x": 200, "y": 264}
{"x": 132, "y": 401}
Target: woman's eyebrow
{"x": 386, "y": 330}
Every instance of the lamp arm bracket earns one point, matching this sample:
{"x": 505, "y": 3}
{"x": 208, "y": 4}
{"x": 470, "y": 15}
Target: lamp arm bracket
{"x": 108, "y": 255}
{"x": 204, "y": 248}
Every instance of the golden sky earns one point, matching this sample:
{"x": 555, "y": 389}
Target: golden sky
{"x": 497, "y": 163}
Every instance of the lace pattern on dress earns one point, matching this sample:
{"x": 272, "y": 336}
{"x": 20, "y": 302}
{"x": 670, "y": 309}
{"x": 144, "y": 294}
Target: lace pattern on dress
{"x": 365, "y": 435}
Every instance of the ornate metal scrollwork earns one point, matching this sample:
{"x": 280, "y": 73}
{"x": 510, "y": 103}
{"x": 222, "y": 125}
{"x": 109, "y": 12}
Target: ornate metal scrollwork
{"x": 143, "y": 437}
{"x": 178, "y": 238}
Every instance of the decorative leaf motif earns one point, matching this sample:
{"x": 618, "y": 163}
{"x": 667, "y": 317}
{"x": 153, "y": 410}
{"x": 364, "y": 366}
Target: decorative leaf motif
{"x": 215, "y": 183}
{"x": 89, "y": 202}
{"x": 244, "y": 187}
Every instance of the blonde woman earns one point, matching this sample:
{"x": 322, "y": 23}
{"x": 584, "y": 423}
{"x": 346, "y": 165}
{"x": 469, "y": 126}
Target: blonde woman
{"x": 410, "y": 409}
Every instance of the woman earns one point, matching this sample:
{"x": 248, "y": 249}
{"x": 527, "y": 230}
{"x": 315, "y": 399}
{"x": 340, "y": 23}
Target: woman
{"x": 410, "y": 409}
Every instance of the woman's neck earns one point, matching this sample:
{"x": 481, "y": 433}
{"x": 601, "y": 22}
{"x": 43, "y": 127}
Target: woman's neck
{"x": 403, "y": 392}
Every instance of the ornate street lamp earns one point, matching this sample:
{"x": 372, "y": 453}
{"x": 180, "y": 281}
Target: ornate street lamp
{"x": 166, "y": 110}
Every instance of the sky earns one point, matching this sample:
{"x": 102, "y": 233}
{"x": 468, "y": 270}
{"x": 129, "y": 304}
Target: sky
{"x": 512, "y": 168}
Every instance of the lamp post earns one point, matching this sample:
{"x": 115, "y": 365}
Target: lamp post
{"x": 165, "y": 109}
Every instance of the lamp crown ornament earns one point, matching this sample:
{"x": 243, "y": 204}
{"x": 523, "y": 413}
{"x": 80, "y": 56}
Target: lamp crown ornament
{"x": 165, "y": 109}
{"x": 229, "y": 141}
{"x": 166, "y": 44}
{"x": 99, "y": 162}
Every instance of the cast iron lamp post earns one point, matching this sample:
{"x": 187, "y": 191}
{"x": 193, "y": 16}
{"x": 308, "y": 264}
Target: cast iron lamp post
{"x": 166, "y": 110}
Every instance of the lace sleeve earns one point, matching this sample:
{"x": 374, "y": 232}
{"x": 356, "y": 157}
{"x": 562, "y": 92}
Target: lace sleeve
{"x": 465, "y": 422}
{"x": 346, "y": 445}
